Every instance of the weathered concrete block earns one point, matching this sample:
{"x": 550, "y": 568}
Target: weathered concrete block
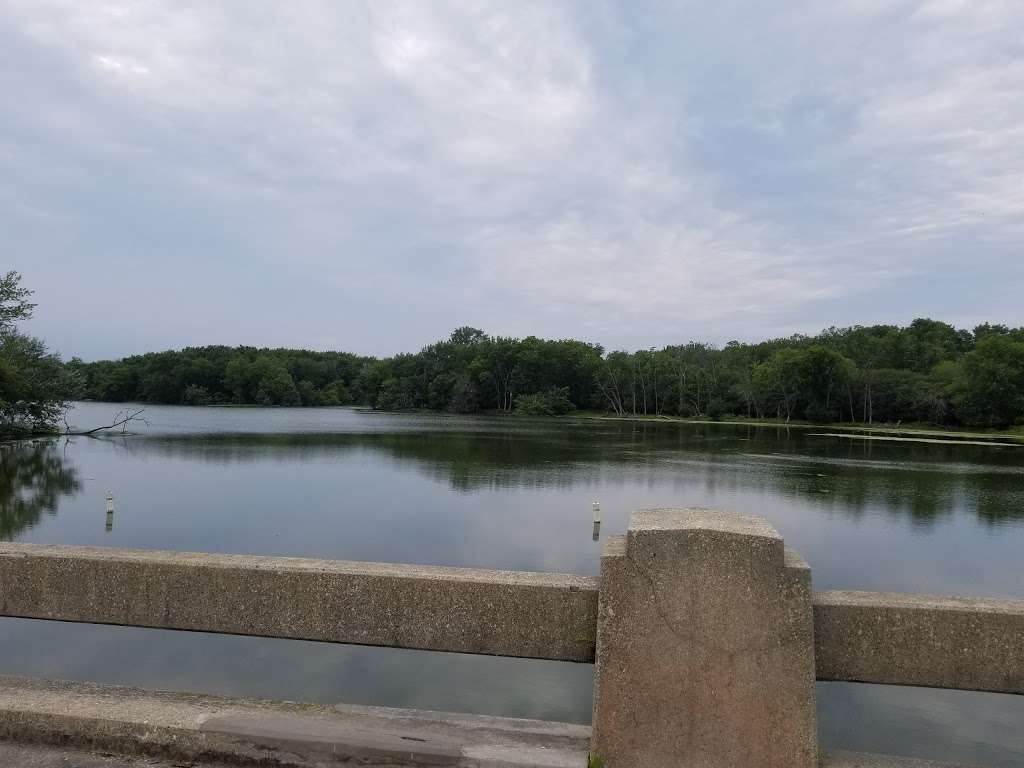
{"x": 941, "y": 642}
{"x": 705, "y": 646}
{"x": 466, "y": 610}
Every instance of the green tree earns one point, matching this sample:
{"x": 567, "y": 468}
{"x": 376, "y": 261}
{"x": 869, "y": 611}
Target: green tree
{"x": 34, "y": 384}
{"x": 276, "y": 386}
{"x": 467, "y": 335}
{"x": 14, "y": 301}
{"x": 823, "y": 374}
{"x": 395, "y": 395}
{"x": 464, "y": 395}
{"x": 926, "y": 343}
{"x": 881, "y": 372}
{"x": 196, "y": 394}
{"x": 994, "y": 379}
{"x": 805, "y": 381}
{"x": 554, "y": 402}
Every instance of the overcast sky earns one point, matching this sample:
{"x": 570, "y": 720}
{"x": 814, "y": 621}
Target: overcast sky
{"x": 369, "y": 175}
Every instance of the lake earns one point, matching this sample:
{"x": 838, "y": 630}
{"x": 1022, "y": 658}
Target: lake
{"x": 507, "y": 493}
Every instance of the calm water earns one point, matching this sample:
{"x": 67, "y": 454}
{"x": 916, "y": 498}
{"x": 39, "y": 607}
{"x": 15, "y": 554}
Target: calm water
{"x": 507, "y": 493}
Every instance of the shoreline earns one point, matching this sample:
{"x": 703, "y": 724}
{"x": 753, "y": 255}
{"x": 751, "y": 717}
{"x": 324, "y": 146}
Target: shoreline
{"x": 915, "y": 430}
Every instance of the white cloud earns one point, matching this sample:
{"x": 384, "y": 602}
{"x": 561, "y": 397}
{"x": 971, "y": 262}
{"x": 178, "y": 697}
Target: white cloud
{"x": 953, "y": 121}
{"x": 556, "y": 168}
{"x": 114, "y": 64}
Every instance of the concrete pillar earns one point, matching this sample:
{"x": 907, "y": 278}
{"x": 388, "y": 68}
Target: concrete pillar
{"x": 705, "y": 646}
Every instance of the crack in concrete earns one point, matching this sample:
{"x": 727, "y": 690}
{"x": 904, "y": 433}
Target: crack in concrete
{"x": 659, "y": 609}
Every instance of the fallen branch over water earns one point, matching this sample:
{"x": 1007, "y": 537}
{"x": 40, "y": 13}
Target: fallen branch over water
{"x": 121, "y": 419}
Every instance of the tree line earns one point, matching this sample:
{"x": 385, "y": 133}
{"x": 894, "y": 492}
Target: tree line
{"x": 926, "y": 372}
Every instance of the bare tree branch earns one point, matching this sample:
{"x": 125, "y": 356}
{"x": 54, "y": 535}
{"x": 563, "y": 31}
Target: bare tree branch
{"x": 122, "y": 419}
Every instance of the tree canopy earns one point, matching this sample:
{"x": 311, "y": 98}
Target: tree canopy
{"x": 928, "y": 371}
{"x": 34, "y": 384}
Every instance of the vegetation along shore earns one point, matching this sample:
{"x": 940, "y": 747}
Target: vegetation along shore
{"x": 926, "y": 373}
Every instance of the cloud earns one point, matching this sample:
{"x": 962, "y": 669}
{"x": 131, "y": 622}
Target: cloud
{"x": 369, "y": 175}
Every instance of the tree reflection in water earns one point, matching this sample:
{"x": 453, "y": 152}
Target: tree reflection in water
{"x": 33, "y": 478}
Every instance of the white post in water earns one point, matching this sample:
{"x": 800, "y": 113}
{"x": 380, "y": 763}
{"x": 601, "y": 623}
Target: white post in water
{"x": 110, "y": 512}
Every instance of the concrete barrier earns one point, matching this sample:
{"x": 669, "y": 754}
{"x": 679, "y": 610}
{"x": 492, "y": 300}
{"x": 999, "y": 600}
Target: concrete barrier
{"x": 706, "y": 636}
{"x": 705, "y": 652}
{"x": 939, "y": 642}
{"x": 503, "y": 613}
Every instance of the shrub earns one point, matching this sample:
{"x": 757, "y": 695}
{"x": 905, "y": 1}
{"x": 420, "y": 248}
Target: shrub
{"x": 554, "y": 402}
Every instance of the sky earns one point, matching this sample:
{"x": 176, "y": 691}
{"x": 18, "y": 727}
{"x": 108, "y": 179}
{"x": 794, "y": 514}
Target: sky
{"x": 368, "y": 176}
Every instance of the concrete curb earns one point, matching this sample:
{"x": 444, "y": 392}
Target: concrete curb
{"x": 205, "y": 729}
{"x": 53, "y": 724}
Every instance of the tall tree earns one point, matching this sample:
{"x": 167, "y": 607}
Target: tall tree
{"x": 34, "y": 384}
{"x": 994, "y": 375}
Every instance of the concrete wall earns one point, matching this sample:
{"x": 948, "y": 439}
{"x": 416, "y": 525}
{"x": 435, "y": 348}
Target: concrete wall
{"x": 966, "y": 643}
{"x": 504, "y": 613}
{"x": 939, "y": 642}
{"x": 705, "y": 646}
{"x": 706, "y": 634}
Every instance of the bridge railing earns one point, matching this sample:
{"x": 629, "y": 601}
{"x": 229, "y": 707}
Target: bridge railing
{"x": 500, "y": 613}
{"x": 974, "y": 644}
{"x": 703, "y": 628}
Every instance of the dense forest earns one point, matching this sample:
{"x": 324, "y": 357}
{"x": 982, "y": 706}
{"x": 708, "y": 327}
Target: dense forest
{"x": 927, "y": 372}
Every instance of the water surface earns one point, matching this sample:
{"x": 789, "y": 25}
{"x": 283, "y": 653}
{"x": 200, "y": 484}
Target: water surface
{"x": 507, "y": 493}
